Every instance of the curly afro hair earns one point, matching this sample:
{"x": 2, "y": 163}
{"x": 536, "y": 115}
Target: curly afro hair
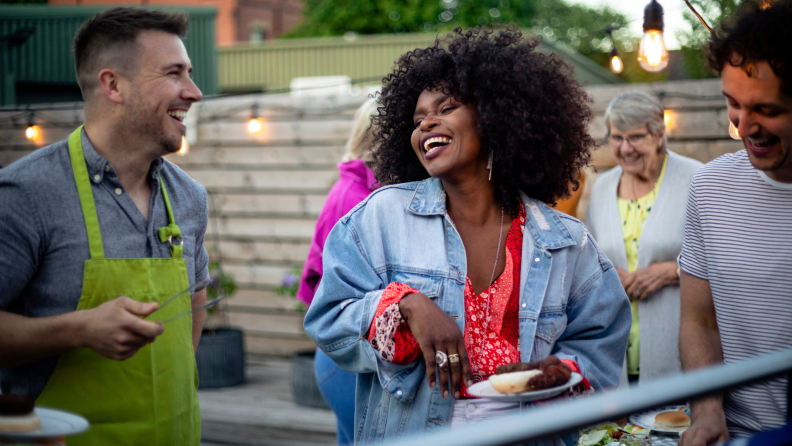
{"x": 760, "y": 31}
{"x": 532, "y": 114}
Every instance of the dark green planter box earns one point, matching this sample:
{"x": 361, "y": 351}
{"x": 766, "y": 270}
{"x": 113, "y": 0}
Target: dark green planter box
{"x": 303, "y": 380}
{"x": 221, "y": 358}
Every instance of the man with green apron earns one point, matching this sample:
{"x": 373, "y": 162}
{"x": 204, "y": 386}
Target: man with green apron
{"x": 99, "y": 230}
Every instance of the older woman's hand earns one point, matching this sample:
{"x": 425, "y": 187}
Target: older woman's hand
{"x": 435, "y": 332}
{"x": 648, "y": 280}
{"x": 626, "y": 278}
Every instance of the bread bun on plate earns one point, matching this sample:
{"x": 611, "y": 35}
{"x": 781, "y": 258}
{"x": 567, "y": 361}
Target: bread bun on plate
{"x": 672, "y": 420}
{"x": 17, "y": 414}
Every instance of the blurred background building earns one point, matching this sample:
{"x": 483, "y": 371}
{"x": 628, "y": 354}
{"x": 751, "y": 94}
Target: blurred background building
{"x": 237, "y": 20}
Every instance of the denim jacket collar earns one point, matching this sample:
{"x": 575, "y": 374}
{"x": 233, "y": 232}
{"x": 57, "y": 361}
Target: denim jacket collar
{"x": 545, "y": 227}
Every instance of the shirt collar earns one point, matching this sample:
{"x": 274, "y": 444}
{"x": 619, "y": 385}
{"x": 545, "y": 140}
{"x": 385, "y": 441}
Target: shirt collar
{"x": 98, "y": 166}
{"x": 542, "y": 222}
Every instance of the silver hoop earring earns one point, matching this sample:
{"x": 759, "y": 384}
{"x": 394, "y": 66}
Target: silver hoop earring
{"x": 489, "y": 166}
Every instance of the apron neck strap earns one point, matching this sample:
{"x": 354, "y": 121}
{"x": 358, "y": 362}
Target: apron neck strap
{"x": 166, "y": 234}
{"x": 86, "y": 195}
{"x": 170, "y": 232}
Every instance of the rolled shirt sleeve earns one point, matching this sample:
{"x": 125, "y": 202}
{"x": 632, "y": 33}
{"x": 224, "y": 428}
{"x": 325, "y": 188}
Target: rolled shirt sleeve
{"x": 343, "y": 310}
{"x": 20, "y": 241}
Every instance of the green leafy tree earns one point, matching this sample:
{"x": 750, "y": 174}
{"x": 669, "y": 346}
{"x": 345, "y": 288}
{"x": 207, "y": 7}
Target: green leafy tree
{"x": 692, "y": 41}
{"x": 581, "y": 28}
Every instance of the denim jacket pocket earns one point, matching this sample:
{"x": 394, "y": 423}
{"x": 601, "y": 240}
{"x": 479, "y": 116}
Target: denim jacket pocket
{"x": 549, "y": 328}
{"x": 428, "y": 285}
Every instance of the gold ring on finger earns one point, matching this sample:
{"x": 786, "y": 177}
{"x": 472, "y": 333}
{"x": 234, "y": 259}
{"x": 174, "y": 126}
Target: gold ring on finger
{"x": 454, "y": 358}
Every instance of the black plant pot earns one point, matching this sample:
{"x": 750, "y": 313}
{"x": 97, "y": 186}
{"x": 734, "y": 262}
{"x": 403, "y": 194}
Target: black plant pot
{"x": 221, "y": 358}
{"x": 304, "y": 387}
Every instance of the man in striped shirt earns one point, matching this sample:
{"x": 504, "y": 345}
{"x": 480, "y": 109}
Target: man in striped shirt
{"x": 736, "y": 260}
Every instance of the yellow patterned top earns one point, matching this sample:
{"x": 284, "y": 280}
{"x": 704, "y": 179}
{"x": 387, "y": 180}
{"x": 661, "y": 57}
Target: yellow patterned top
{"x": 633, "y": 215}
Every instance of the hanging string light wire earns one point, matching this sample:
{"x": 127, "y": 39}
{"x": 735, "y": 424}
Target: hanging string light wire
{"x": 615, "y": 61}
{"x": 699, "y": 16}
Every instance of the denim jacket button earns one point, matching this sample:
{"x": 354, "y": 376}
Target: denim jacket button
{"x": 536, "y": 259}
{"x": 524, "y": 305}
{"x": 399, "y": 392}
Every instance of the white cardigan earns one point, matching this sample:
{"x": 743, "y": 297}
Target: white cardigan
{"x": 661, "y": 241}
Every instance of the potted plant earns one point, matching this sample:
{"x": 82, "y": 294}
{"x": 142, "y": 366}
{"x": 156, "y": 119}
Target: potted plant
{"x": 305, "y": 391}
{"x": 220, "y": 356}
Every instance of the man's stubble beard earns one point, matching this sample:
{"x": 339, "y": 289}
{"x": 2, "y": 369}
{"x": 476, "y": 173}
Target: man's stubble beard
{"x": 143, "y": 127}
{"x": 781, "y": 162}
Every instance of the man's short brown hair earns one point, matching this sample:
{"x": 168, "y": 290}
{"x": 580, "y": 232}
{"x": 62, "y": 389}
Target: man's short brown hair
{"x": 108, "y": 39}
{"x": 761, "y": 30}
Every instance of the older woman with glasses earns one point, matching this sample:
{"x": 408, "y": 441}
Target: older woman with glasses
{"x": 636, "y": 214}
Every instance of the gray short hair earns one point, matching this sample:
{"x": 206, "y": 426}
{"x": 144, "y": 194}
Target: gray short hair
{"x": 634, "y": 109}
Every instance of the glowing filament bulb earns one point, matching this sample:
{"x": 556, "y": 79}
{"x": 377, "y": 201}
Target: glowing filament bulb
{"x": 255, "y": 125}
{"x": 652, "y": 52}
{"x": 733, "y": 132}
{"x": 616, "y": 64}
{"x": 185, "y": 147}
{"x": 33, "y": 132}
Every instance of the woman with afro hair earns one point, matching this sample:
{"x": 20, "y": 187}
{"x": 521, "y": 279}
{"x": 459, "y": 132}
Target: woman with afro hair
{"x": 458, "y": 266}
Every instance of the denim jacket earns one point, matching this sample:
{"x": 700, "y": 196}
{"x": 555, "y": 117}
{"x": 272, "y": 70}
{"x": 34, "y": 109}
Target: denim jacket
{"x": 571, "y": 301}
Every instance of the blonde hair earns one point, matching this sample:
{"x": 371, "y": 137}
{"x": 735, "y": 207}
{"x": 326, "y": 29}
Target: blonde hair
{"x": 634, "y": 109}
{"x": 361, "y": 140}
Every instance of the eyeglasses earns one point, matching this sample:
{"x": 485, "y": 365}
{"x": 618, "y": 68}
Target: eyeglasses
{"x": 634, "y": 140}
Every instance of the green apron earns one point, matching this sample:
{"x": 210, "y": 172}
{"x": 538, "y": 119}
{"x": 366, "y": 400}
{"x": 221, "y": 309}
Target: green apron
{"x": 151, "y": 397}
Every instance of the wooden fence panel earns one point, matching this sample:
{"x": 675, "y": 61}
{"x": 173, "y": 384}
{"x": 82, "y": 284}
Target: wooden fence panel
{"x": 267, "y": 189}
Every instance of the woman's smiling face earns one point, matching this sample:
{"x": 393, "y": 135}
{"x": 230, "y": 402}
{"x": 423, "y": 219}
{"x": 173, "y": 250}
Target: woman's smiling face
{"x": 445, "y": 138}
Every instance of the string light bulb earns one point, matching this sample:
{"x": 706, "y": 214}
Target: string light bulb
{"x": 256, "y": 124}
{"x": 616, "y": 64}
{"x": 652, "y": 51}
{"x": 185, "y": 147}
{"x": 733, "y": 132}
{"x": 33, "y": 133}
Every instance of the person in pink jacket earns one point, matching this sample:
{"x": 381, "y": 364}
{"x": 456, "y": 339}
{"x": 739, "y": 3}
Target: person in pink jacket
{"x": 356, "y": 183}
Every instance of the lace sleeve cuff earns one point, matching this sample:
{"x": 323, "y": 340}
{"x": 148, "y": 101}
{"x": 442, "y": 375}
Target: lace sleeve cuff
{"x": 389, "y": 334}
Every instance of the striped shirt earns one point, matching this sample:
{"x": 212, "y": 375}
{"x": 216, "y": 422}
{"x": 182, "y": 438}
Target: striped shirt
{"x": 738, "y": 236}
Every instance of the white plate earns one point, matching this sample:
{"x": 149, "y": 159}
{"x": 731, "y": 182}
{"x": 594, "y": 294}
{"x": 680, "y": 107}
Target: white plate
{"x": 483, "y": 389}
{"x": 646, "y": 419}
{"x": 54, "y": 424}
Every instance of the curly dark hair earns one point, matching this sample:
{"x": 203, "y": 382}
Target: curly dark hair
{"x": 532, "y": 114}
{"x": 759, "y": 31}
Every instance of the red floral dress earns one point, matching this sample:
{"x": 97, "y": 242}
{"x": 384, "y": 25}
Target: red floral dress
{"x": 492, "y": 336}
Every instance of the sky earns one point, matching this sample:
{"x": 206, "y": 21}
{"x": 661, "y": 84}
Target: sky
{"x": 633, "y": 10}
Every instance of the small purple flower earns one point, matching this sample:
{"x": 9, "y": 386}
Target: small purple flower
{"x": 289, "y": 280}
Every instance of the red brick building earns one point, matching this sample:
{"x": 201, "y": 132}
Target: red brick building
{"x": 237, "y": 20}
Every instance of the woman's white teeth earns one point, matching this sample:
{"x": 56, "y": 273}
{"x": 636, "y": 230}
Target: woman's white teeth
{"x": 438, "y": 141}
{"x": 630, "y": 159}
{"x": 178, "y": 114}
